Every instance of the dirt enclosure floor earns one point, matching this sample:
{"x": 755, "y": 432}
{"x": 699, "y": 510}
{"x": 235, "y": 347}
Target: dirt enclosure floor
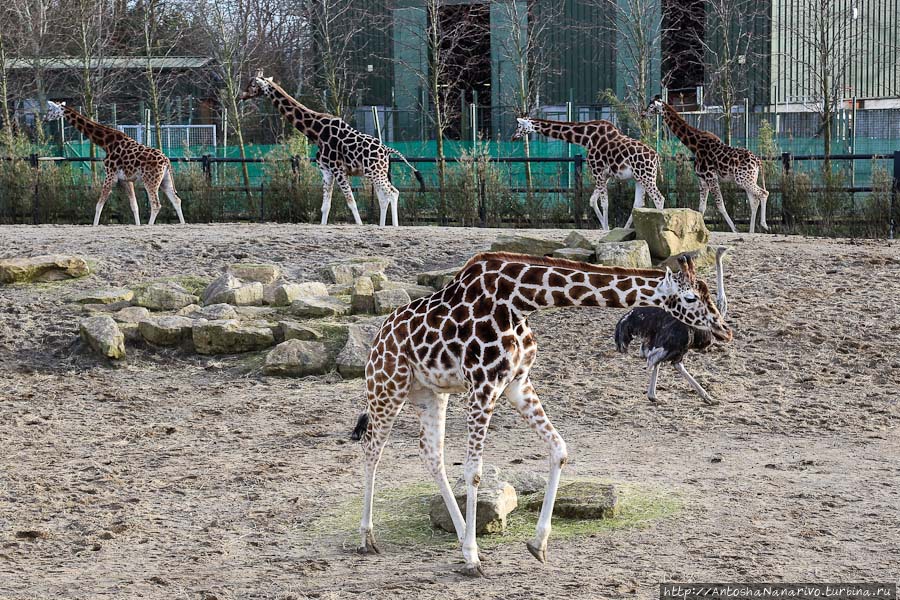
{"x": 180, "y": 476}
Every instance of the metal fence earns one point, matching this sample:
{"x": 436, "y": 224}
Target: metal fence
{"x": 560, "y": 184}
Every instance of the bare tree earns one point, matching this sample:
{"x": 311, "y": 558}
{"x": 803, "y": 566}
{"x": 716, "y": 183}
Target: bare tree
{"x": 36, "y": 28}
{"x": 634, "y": 29}
{"x": 227, "y": 29}
{"x": 827, "y": 39}
{"x": 723, "y": 47}
{"x": 450, "y": 30}
{"x": 90, "y": 35}
{"x": 5, "y": 113}
{"x": 337, "y": 32}
{"x": 528, "y": 47}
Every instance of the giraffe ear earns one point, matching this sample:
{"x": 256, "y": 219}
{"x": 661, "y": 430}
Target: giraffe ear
{"x": 269, "y": 79}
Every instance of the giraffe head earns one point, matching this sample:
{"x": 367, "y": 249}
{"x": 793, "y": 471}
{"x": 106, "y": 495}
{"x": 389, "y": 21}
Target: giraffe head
{"x": 524, "y": 127}
{"x": 687, "y": 298}
{"x": 54, "y": 111}
{"x": 654, "y": 108}
{"x": 257, "y": 86}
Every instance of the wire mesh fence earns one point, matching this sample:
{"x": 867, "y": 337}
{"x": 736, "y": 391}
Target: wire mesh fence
{"x": 478, "y": 189}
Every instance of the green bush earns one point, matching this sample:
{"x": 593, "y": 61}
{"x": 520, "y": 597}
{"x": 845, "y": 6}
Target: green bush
{"x": 293, "y": 191}
{"x": 876, "y": 208}
{"x": 797, "y": 201}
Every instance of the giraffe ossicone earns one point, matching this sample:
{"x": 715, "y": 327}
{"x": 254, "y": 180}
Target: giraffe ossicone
{"x": 126, "y": 161}
{"x": 342, "y": 151}
{"x": 610, "y": 154}
{"x": 472, "y": 337}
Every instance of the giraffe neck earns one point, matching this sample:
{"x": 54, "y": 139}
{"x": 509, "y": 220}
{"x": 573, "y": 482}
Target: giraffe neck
{"x": 689, "y": 135}
{"x": 574, "y": 133}
{"x": 528, "y": 283}
{"x": 306, "y": 120}
{"x": 101, "y": 135}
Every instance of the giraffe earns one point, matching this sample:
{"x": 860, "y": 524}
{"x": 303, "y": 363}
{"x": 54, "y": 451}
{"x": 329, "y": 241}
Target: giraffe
{"x": 713, "y": 160}
{"x": 473, "y": 337}
{"x": 343, "y": 151}
{"x": 610, "y": 154}
{"x": 126, "y": 161}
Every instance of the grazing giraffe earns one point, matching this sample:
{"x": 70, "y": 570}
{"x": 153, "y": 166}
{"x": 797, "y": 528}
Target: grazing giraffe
{"x": 713, "y": 160}
{"x": 610, "y": 154}
{"x": 126, "y": 161}
{"x": 473, "y": 337}
{"x": 343, "y": 151}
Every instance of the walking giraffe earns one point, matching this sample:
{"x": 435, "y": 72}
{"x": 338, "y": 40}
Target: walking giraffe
{"x": 714, "y": 160}
{"x": 472, "y": 336}
{"x": 343, "y": 151}
{"x": 610, "y": 154}
{"x": 126, "y": 161}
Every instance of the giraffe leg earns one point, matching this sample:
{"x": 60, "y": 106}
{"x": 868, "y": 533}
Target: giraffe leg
{"x": 132, "y": 200}
{"x": 373, "y": 441}
{"x": 522, "y": 396}
{"x": 327, "y": 188}
{"x": 704, "y": 195}
{"x": 753, "y": 200}
{"x": 594, "y": 197}
{"x": 679, "y": 366}
{"x": 151, "y": 184}
{"x": 104, "y": 194}
{"x": 432, "y": 411}
{"x": 763, "y": 198}
{"x": 385, "y": 197}
{"x": 395, "y": 200}
{"x": 720, "y": 204}
{"x": 638, "y": 201}
{"x": 480, "y": 407}
{"x": 168, "y": 186}
{"x": 344, "y": 183}
{"x": 659, "y": 201}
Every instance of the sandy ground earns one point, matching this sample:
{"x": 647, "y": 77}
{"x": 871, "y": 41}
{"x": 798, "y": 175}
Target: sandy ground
{"x": 178, "y": 476}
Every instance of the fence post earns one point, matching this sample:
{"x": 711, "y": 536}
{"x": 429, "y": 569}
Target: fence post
{"x": 35, "y": 201}
{"x": 579, "y": 189}
{"x": 206, "y": 166}
{"x": 786, "y": 217}
{"x": 895, "y": 195}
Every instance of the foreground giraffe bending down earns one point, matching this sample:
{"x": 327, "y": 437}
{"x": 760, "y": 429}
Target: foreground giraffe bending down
{"x": 610, "y": 154}
{"x": 343, "y": 151}
{"x": 473, "y": 337}
{"x": 126, "y": 161}
{"x": 713, "y": 160}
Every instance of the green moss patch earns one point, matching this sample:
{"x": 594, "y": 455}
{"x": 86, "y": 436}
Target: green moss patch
{"x": 401, "y": 517}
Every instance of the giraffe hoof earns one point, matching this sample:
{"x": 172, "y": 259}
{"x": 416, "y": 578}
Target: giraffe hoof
{"x": 710, "y": 401}
{"x": 473, "y": 571}
{"x": 538, "y": 553}
{"x": 370, "y": 546}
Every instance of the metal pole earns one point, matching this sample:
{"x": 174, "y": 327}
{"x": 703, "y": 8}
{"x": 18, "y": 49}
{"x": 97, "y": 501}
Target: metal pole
{"x": 569, "y": 117}
{"x": 377, "y": 123}
{"x": 747, "y": 123}
{"x": 853, "y": 142}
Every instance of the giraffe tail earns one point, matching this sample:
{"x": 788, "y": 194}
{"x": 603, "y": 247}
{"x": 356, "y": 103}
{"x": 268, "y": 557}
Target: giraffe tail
{"x": 361, "y": 425}
{"x": 416, "y": 172}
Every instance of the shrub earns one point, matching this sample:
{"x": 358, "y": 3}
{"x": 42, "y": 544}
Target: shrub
{"x": 877, "y": 207}
{"x": 797, "y": 201}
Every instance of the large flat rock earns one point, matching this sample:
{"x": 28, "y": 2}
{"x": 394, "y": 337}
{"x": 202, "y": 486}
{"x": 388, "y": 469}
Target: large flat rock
{"x": 166, "y": 330}
{"x": 581, "y": 500}
{"x": 164, "y": 296}
{"x": 103, "y": 335}
{"x": 670, "y": 231}
{"x": 525, "y": 244}
{"x": 632, "y": 255}
{"x": 318, "y": 307}
{"x": 496, "y": 499}
{"x": 286, "y": 293}
{"x": 47, "y": 267}
{"x": 346, "y": 271}
{"x": 297, "y": 358}
{"x": 230, "y": 337}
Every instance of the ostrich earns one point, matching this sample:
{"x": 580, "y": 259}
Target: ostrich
{"x": 666, "y": 339}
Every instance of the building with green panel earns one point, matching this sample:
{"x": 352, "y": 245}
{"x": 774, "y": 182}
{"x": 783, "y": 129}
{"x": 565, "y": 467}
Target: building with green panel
{"x": 770, "y": 47}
